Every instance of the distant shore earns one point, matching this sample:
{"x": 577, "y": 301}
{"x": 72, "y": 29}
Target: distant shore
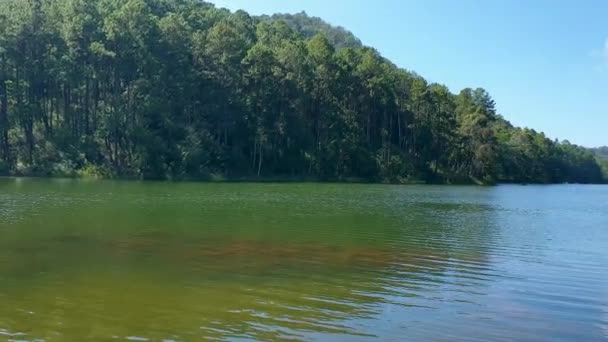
{"x": 286, "y": 179}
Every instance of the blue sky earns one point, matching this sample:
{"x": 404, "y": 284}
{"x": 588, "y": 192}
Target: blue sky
{"x": 545, "y": 62}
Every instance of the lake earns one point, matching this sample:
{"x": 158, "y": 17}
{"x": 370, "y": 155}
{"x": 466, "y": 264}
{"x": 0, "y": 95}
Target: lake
{"x": 153, "y": 261}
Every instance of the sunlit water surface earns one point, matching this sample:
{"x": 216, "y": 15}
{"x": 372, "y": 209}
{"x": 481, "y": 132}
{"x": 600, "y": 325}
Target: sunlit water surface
{"x": 102, "y": 260}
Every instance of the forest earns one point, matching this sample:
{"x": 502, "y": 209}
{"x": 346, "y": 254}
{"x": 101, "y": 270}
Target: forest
{"x": 182, "y": 90}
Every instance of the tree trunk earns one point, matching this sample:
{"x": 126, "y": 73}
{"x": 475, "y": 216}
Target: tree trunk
{"x": 399, "y": 130}
{"x": 255, "y": 151}
{"x": 4, "y": 144}
{"x": 86, "y": 108}
{"x": 260, "y": 160}
{"x": 95, "y": 103}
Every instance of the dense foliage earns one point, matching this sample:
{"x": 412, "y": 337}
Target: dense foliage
{"x": 309, "y": 27}
{"x": 180, "y": 89}
{"x": 601, "y": 154}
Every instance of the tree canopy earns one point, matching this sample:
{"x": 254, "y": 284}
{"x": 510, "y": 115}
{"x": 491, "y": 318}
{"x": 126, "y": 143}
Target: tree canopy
{"x": 309, "y": 26}
{"x": 179, "y": 89}
{"x": 601, "y": 154}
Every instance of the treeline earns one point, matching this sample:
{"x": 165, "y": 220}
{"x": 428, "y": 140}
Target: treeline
{"x": 179, "y": 89}
{"x": 601, "y": 154}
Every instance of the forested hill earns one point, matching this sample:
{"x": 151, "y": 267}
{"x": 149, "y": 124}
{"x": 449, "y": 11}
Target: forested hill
{"x": 601, "y": 152}
{"x": 308, "y": 27}
{"x": 180, "y": 89}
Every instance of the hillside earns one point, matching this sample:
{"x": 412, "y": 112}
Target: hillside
{"x": 601, "y": 152}
{"x": 178, "y": 89}
{"x": 308, "y": 27}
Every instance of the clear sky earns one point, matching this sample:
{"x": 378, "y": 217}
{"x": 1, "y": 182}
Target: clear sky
{"x": 545, "y": 62}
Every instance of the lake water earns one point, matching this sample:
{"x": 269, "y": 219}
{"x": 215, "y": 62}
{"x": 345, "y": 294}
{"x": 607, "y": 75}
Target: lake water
{"x": 104, "y": 260}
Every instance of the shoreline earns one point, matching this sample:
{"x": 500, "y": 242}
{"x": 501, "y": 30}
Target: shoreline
{"x": 282, "y": 180}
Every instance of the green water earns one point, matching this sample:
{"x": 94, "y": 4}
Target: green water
{"x": 107, "y": 261}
